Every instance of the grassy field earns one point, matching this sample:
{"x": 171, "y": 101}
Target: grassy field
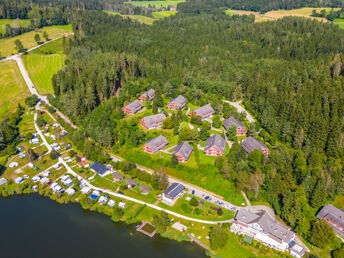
{"x": 7, "y": 46}
{"x": 41, "y": 66}
{"x": 273, "y": 15}
{"x": 13, "y": 89}
{"x": 3, "y": 22}
{"x": 339, "y": 22}
{"x": 155, "y": 3}
{"x": 139, "y": 18}
{"x": 163, "y": 14}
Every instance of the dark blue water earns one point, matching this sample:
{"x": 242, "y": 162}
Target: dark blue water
{"x": 33, "y": 226}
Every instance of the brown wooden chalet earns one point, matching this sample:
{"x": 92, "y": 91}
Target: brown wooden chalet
{"x": 241, "y": 129}
{"x": 132, "y": 107}
{"x": 153, "y": 121}
{"x": 204, "y": 111}
{"x": 147, "y": 95}
{"x": 215, "y": 146}
{"x": 183, "y": 151}
{"x": 250, "y": 144}
{"x": 155, "y": 144}
{"x": 178, "y": 102}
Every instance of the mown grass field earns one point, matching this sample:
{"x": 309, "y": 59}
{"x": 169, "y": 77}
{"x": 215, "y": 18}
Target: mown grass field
{"x": 339, "y": 22}
{"x": 155, "y": 3}
{"x": 163, "y": 14}
{"x": 43, "y": 63}
{"x": 3, "y": 23}
{"x": 273, "y": 15}
{"x": 13, "y": 89}
{"x": 7, "y": 46}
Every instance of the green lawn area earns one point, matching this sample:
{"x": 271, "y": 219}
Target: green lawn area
{"x": 154, "y": 3}
{"x": 41, "y": 66}
{"x": 7, "y": 46}
{"x": 3, "y": 23}
{"x": 13, "y": 89}
{"x": 163, "y": 14}
{"x": 339, "y": 22}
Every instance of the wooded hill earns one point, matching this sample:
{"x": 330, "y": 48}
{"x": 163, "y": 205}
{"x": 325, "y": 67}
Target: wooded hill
{"x": 289, "y": 73}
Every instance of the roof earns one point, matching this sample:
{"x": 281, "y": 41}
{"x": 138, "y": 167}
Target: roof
{"x": 332, "y": 213}
{"x": 83, "y": 163}
{"x": 135, "y": 105}
{"x": 143, "y": 187}
{"x": 131, "y": 182}
{"x": 232, "y": 120}
{"x": 150, "y": 120}
{"x": 204, "y": 110}
{"x": 253, "y": 144}
{"x": 99, "y": 168}
{"x": 184, "y": 149}
{"x": 180, "y": 101}
{"x": 157, "y": 142}
{"x": 217, "y": 141}
{"x": 174, "y": 190}
{"x": 118, "y": 175}
{"x": 267, "y": 223}
{"x": 149, "y": 93}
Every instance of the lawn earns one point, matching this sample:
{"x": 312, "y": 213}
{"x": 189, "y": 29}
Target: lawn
{"x": 41, "y": 66}
{"x": 154, "y": 3}
{"x": 7, "y": 46}
{"x": 3, "y": 23}
{"x": 163, "y": 14}
{"x": 13, "y": 89}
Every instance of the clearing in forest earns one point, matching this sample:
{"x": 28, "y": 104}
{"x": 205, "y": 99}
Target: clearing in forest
{"x": 163, "y": 14}
{"x": 273, "y": 15}
{"x": 139, "y": 18}
{"x": 13, "y": 89}
{"x": 7, "y": 46}
{"x": 43, "y": 63}
{"x": 157, "y": 4}
{"x": 12, "y": 22}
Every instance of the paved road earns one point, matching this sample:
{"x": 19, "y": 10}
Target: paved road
{"x": 241, "y": 109}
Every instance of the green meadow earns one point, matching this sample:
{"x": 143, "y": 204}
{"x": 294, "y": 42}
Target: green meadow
{"x": 13, "y": 89}
{"x": 11, "y": 22}
{"x": 163, "y": 14}
{"x": 155, "y": 3}
{"x": 43, "y": 63}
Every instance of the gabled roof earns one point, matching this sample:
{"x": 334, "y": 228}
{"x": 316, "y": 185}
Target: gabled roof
{"x": 180, "y": 101}
{"x": 143, "y": 187}
{"x": 253, "y": 144}
{"x": 134, "y": 105}
{"x": 174, "y": 190}
{"x": 232, "y": 120}
{"x": 270, "y": 226}
{"x": 184, "y": 149}
{"x": 118, "y": 175}
{"x": 156, "y": 142}
{"x": 149, "y": 94}
{"x": 149, "y": 120}
{"x": 217, "y": 141}
{"x": 131, "y": 182}
{"x": 332, "y": 213}
{"x": 99, "y": 168}
{"x": 204, "y": 110}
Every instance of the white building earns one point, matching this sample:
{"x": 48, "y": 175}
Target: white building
{"x": 263, "y": 228}
{"x": 70, "y": 191}
{"x": 111, "y": 203}
{"x": 85, "y": 190}
{"x": 3, "y": 181}
{"x": 19, "y": 180}
{"x": 13, "y": 164}
{"x": 171, "y": 194}
{"x": 122, "y": 205}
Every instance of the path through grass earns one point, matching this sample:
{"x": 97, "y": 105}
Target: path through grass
{"x": 7, "y": 46}
{"x": 155, "y": 3}
{"x": 43, "y": 63}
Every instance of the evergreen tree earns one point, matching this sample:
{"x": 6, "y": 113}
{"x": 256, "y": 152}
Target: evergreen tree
{"x": 319, "y": 194}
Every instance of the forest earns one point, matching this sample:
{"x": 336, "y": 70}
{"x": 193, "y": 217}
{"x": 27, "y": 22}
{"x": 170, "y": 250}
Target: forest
{"x": 289, "y": 73}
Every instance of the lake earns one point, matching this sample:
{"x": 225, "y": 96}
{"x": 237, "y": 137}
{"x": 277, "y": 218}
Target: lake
{"x": 34, "y": 226}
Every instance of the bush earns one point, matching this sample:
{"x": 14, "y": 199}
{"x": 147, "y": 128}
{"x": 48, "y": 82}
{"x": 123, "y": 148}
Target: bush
{"x": 193, "y": 202}
{"x": 218, "y": 237}
{"x": 321, "y": 234}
